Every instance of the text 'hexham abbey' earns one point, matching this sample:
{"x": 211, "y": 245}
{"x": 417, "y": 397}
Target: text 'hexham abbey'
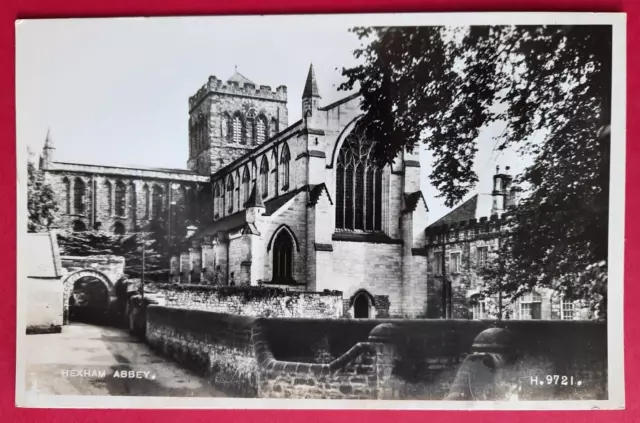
{"x": 301, "y": 206}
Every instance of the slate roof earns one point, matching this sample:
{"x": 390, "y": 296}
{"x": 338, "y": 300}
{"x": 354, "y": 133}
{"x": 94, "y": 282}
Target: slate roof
{"x": 474, "y": 208}
{"x": 240, "y": 79}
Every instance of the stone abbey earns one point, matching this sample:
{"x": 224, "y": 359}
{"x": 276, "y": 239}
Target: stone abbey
{"x": 300, "y": 206}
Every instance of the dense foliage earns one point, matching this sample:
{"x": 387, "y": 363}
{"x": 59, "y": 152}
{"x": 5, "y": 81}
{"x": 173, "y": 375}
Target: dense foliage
{"x": 41, "y": 202}
{"x": 550, "y": 85}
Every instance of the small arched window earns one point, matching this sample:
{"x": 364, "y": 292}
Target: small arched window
{"x": 147, "y": 201}
{"x": 285, "y": 159}
{"x": 361, "y": 305}
{"x": 264, "y": 177}
{"x": 358, "y": 186}
{"x": 119, "y": 229}
{"x": 225, "y": 127}
{"x": 261, "y": 130}
{"x": 230, "y": 190}
{"x": 79, "y": 192}
{"x": 120, "y": 198}
{"x": 273, "y": 127}
{"x": 67, "y": 195}
{"x": 283, "y": 258}
{"x": 157, "y": 202}
{"x": 238, "y": 129}
{"x": 245, "y": 184}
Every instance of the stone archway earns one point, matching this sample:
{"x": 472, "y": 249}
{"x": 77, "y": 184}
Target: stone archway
{"x": 69, "y": 281}
{"x": 362, "y": 305}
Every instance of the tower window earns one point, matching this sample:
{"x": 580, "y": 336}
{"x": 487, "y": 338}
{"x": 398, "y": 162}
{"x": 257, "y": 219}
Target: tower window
{"x": 261, "y": 130}
{"x": 284, "y": 165}
{"x": 120, "y": 193}
{"x": 283, "y": 258}
{"x": 238, "y": 129}
{"x": 217, "y": 201}
{"x": 358, "y": 186}
{"x": 79, "y": 192}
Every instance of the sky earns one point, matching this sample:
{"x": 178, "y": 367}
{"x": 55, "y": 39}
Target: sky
{"x": 115, "y": 91}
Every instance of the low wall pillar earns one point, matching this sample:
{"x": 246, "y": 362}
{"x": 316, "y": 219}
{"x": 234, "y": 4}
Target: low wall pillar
{"x": 484, "y": 374}
{"x": 383, "y": 342}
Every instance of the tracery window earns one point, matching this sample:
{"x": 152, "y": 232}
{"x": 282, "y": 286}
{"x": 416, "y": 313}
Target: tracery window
{"x": 79, "y": 192}
{"x": 358, "y": 186}
{"x": 264, "y": 177}
{"x": 120, "y": 193}
{"x": 284, "y": 165}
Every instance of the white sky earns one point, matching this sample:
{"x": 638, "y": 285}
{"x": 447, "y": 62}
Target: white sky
{"x": 115, "y": 91}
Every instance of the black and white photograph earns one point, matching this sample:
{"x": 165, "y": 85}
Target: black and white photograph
{"x": 382, "y": 211}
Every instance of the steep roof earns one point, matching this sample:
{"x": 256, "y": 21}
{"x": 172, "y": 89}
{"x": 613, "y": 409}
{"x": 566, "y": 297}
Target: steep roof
{"x": 311, "y": 86}
{"x": 240, "y": 79}
{"x": 474, "y": 208}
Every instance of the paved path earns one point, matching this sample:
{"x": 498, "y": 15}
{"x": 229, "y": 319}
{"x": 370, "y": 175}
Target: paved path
{"x": 95, "y": 360}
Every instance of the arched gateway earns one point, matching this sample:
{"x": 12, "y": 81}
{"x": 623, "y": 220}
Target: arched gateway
{"x": 89, "y": 276}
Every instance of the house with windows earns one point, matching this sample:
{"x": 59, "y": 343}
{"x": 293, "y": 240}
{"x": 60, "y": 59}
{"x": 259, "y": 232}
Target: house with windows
{"x": 462, "y": 242}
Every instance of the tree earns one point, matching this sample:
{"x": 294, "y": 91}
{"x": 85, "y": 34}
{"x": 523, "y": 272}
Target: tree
{"x": 41, "y": 201}
{"x": 129, "y": 246}
{"x": 440, "y": 86}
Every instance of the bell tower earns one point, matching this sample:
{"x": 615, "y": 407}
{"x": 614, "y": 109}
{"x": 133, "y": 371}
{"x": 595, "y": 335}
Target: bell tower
{"x": 227, "y": 119}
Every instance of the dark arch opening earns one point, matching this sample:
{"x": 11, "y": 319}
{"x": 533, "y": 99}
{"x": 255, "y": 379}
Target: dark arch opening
{"x": 119, "y": 229}
{"x": 79, "y": 226}
{"x": 89, "y": 301}
{"x": 361, "y": 306}
{"x": 283, "y": 258}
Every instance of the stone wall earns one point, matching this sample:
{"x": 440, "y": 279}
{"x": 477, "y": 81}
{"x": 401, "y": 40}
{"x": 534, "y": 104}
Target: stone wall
{"x": 44, "y": 305}
{"x": 374, "y": 359}
{"x": 215, "y": 345}
{"x": 253, "y": 301}
{"x": 111, "y": 266}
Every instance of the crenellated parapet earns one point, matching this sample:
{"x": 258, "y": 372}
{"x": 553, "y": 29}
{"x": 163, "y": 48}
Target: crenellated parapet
{"x": 467, "y": 230}
{"x": 217, "y": 86}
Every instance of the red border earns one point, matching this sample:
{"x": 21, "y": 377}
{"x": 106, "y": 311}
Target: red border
{"x": 11, "y": 10}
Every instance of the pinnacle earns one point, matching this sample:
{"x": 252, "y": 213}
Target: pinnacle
{"x": 311, "y": 86}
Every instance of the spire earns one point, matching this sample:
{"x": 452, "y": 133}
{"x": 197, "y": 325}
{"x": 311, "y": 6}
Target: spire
{"x": 48, "y": 141}
{"x": 255, "y": 199}
{"x": 311, "y": 86}
{"x": 47, "y": 151}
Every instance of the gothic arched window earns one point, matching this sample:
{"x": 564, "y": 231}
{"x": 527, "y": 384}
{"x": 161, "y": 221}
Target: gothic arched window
{"x": 230, "y": 189}
{"x": 285, "y": 158}
{"x": 283, "y": 257}
{"x": 157, "y": 202}
{"x": 79, "y": 192}
{"x": 238, "y": 129}
{"x": 147, "y": 201}
{"x": 358, "y": 186}
{"x": 120, "y": 202}
{"x": 245, "y": 184}
{"x": 261, "y": 130}
{"x": 67, "y": 195}
{"x": 264, "y": 177}
{"x": 217, "y": 201}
